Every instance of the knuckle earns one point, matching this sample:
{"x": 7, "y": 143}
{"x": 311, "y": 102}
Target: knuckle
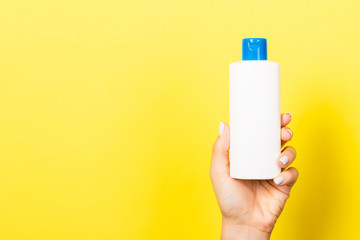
{"x": 215, "y": 147}
{"x": 294, "y": 172}
{"x": 213, "y": 174}
{"x": 294, "y": 151}
{"x": 291, "y": 150}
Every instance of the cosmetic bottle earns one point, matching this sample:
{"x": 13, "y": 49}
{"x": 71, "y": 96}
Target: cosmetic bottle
{"x": 255, "y": 142}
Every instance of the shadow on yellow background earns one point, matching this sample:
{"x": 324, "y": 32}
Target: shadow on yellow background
{"x": 321, "y": 178}
{"x": 326, "y": 194}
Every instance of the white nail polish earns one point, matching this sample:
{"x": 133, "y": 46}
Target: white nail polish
{"x": 221, "y": 128}
{"x": 278, "y": 180}
{"x": 288, "y": 130}
{"x": 284, "y": 160}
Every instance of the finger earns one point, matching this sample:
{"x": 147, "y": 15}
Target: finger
{"x": 287, "y": 177}
{"x": 286, "y": 157}
{"x": 220, "y": 152}
{"x": 285, "y": 119}
{"x": 286, "y": 135}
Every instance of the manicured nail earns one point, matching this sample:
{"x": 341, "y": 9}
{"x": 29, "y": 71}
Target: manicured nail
{"x": 284, "y": 160}
{"x": 221, "y": 128}
{"x": 279, "y": 180}
{"x": 289, "y": 131}
{"x": 289, "y": 114}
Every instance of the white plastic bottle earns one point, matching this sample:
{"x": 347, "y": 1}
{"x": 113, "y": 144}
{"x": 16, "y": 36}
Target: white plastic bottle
{"x": 254, "y": 113}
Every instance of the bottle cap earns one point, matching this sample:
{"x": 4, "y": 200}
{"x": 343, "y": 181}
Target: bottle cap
{"x": 254, "y": 49}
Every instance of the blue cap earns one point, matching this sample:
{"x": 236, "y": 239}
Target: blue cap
{"x": 254, "y": 49}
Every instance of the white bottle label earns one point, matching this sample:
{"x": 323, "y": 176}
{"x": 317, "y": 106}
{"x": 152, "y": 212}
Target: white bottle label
{"x": 255, "y": 141}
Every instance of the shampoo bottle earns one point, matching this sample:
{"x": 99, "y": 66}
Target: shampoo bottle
{"x": 254, "y": 113}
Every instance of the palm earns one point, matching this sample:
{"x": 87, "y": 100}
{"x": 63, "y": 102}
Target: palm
{"x": 252, "y": 202}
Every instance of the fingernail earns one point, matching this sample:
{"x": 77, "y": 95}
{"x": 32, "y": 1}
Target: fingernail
{"x": 221, "y": 128}
{"x": 289, "y": 131}
{"x": 278, "y": 180}
{"x": 284, "y": 160}
{"x": 289, "y": 114}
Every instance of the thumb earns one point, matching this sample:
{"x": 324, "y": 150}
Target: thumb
{"x": 220, "y": 152}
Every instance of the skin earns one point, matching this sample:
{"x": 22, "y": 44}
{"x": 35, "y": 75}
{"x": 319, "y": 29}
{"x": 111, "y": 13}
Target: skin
{"x": 250, "y": 208}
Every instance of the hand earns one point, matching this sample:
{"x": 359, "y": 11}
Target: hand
{"x": 250, "y": 208}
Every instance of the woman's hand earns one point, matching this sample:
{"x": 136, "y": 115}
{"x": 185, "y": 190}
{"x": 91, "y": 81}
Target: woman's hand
{"x": 250, "y": 208}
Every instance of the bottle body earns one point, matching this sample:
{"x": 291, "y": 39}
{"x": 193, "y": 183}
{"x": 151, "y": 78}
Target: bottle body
{"x": 255, "y": 141}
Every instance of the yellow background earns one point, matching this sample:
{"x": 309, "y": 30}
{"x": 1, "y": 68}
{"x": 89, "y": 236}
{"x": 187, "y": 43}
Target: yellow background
{"x": 108, "y": 112}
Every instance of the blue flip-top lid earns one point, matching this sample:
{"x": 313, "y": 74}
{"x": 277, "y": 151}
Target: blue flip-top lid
{"x": 254, "y": 49}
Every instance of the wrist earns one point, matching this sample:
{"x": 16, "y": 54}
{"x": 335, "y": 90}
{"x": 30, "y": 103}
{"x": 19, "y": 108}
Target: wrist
{"x": 232, "y": 231}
